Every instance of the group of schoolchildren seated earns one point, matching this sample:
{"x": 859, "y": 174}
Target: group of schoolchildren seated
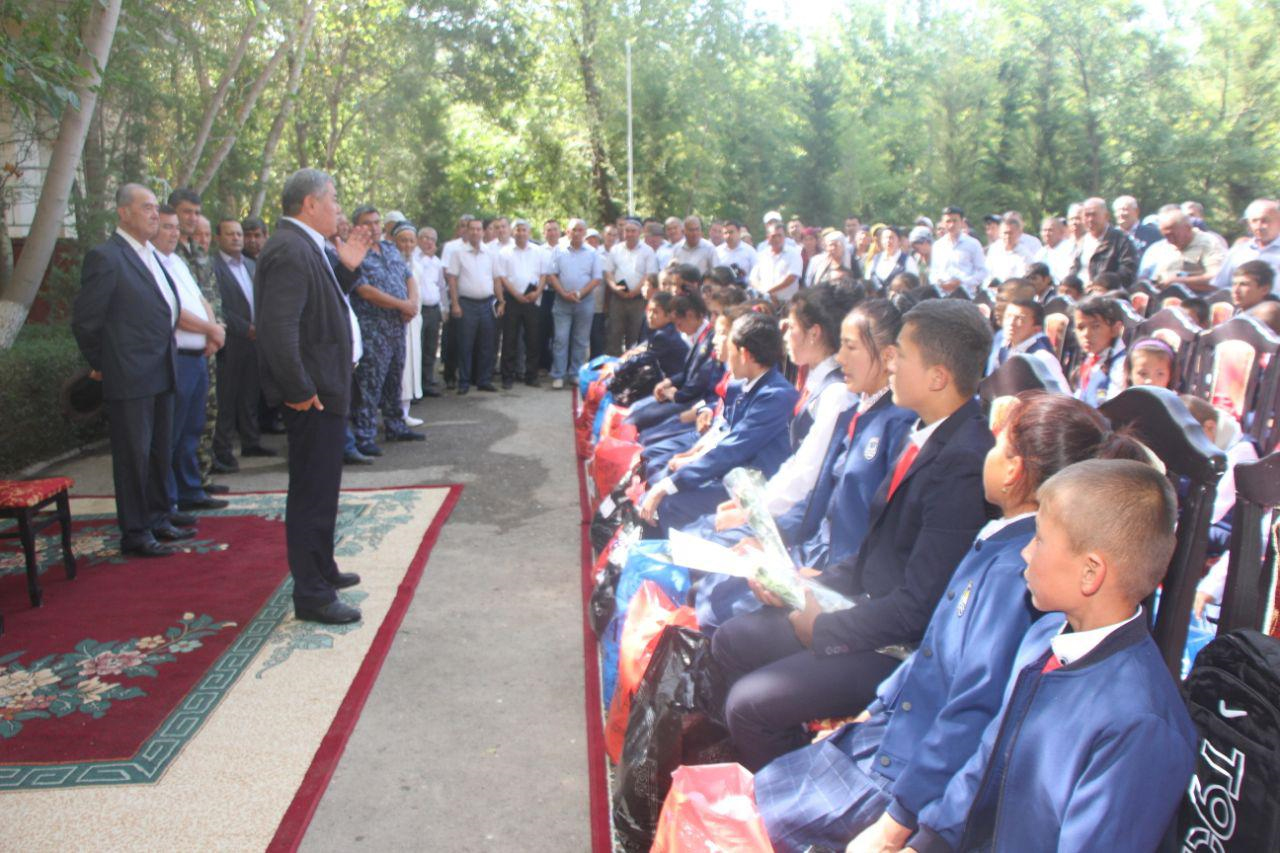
{"x": 996, "y": 659}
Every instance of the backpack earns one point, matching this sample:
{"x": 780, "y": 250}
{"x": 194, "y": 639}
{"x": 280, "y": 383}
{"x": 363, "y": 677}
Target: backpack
{"x": 1233, "y": 695}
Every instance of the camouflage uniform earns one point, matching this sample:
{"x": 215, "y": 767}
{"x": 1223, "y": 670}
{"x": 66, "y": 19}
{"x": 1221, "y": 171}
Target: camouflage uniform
{"x": 378, "y": 375}
{"x": 201, "y": 266}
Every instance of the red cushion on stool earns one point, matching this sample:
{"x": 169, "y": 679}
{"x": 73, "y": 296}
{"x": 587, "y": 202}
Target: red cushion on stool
{"x": 17, "y": 494}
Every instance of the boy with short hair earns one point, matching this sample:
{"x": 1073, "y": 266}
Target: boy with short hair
{"x": 1024, "y": 335}
{"x": 1093, "y": 747}
{"x": 1100, "y": 330}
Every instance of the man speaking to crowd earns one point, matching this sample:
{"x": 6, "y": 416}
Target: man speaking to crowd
{"x": 305, "y": 333}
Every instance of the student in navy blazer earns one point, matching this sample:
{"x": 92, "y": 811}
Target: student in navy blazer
{"x": 757, "y": 436}
{"x": 665, "y": 346}
{"x": 697, "y": 377}
{"x": 787, "y": 667}
{"x": 123, "y": 320}
{"x": 921, "y": 729}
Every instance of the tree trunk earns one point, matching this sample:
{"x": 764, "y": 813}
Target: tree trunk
{"x": 246, "y": 108}
{"x": 214, "y": 105}
{"x": 606, "y": 207}
{"x": 296, "y": 63}
{"x": 15, "y": 301}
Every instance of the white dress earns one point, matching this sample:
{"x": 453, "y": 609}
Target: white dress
{"x": 411, "y": 380}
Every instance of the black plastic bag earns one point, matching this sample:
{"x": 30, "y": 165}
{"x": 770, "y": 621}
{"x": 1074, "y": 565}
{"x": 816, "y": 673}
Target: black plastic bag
{"x": 621, "y": 511}
{"x": 673, "y": 722}
{"x": 603, "y": 601}
{"x": 634, "y": 380}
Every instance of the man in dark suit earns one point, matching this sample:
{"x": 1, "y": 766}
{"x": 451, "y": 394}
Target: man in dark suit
{"x": 124, "y": 319}
{"x": 238, "y": 362}
{"x": 1112, "y": 250}
{"x": 305, "y": 358}
{"x": 785, "y": 667}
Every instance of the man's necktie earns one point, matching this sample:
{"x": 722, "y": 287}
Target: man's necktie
{"x": 900, "y": 470}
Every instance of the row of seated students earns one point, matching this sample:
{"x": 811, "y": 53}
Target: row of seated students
{"x": 1006, "y": 563}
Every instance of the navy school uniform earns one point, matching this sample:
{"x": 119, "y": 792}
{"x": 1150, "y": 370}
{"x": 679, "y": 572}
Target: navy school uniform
{"x": 668, "y": 349}
{"x": 830, "y": 524}
{"x": 695, "y": 381}
{"x": 1105, "y": 379}
{"x": 927, "y": 716}
{"x": 914, "y": 542}
{"x": 671, "y": 438}
{"x": 1094, "y": 755}
{"x": 757, "y": 438}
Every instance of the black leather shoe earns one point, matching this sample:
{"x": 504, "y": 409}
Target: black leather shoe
{"x": 182, "y": 519}
{"x": 149, "y": 549}
{"x": 346, "y": 579}
{"x": 532, "y": 383}
{"x": 204, "y": 503}
{"x": 355, "y": 457}
{"x": 224, "y": 466}
{"x": 430, "y": 392}
{"x": 170, "y": 533}
{"x": 216, "y": 489}
{"x": 259, "y": 450}
{"x": 486, "y": 387}
{"x": 463, "y": 391}
{"x": 369, "y": 449}
{"x": 333, "y": 613}
{"x": 508, "y": 384}
{"x": 407, "y": 436}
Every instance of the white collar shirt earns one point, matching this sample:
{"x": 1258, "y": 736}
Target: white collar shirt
{"x": 1004, "y": 263}
{"x": 189, "y": 299}
{"x": 991, "y": 528}
{"x": 428, "y": 272}
{"x": 357, "y": 345}
{"x": 798, "y": 474}
{"x": 1071, "y": 646}
{"x": 631, "y": 266}
{"x": 522, "y": 268}
{"x": 772, "y": 268}
{"x": 742, "y": 256}
{"x": 1057, "y": 258}
{"x": 473, "y": 267}
{"x": 961, "y": 259}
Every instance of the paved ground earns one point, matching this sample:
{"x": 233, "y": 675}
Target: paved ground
{"x": 473, "y": 737}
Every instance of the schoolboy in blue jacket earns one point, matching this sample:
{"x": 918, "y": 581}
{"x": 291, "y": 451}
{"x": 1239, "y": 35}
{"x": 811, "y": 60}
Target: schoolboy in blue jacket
{"x": 696, "y": 379}
{"x": 1093, "y": 747}
{"x": 785, "y": 668}
{"x": 1100, "y": 331}
{"x": 665, "y": 346}
{"x": 757, "y": 436}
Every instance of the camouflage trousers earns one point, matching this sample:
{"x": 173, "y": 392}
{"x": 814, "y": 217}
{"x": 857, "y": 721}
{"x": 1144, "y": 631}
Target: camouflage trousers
{"x": 377, "y": 381}
{"x": 204, "y": 452}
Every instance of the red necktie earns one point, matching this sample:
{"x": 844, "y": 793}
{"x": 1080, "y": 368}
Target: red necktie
{"x": 900, "y": 470}
{"x": 853, "y": 423}
{"x": 1086, "y": 369}
{"x": 722, "y": 387}
{"x": 1051, "y": 664}
{"x": 804, "y": 398}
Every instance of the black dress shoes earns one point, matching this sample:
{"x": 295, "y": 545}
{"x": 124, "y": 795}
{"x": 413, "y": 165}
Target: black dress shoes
{"x": 508, "y": 384}
{"x": 182, "y": 519}
{"x": 216, "y": 489}
{"x": 170, "y": 533}
{"x": 151, "y": 548}
{"x": 204, "y": 503}
{"x": 463, "y": 391}
{"x": 346, "y": 579}
{"x": 355, "y": 457}
{"x": 333, "y": 613}
{"x": 369, "y": 449}
{"x": 488, "y": 386}
{"x": 257, "y": 450}
{"x": 430, "y": 392}
{"x": 407, "y": 436}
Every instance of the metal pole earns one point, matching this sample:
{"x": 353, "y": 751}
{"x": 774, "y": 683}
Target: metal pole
{"x": 631, "y": 174}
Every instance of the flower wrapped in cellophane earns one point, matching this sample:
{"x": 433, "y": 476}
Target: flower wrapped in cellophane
{"x": 775, "y": 571}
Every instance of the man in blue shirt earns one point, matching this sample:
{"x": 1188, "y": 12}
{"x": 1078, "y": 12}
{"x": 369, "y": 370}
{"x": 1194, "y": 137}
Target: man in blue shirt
{"x": 1263, "y": 216}
{"x": 575, "y": 275}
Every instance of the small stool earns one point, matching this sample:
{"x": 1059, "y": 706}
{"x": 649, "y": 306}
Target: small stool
{"x": 23, "y": 501}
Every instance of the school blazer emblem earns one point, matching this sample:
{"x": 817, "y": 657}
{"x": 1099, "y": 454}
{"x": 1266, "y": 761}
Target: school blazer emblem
{"x": 873, "y": 445}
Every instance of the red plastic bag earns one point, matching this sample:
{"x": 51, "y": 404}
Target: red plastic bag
{"x": 649, "y": 612}
{"x": 615, "y": 424}
{"x": 586, "y": 417}
{"x": 711, "y": 807}
{"x": 612, "y": 460}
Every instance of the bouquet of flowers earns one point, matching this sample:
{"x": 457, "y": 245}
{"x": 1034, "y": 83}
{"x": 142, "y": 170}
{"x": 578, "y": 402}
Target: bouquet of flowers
{"x": 775, "y": 571}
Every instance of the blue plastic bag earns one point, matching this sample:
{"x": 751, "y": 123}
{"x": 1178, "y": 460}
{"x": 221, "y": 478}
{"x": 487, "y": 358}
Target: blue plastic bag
{"x": 1200, "y": 632}
{"x": 590, "y": 372}
{"x": 648, "y": 560}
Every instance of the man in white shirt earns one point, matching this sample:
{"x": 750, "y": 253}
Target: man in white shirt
{"x": 694, "y": 250}
{"x": 770, "y": 218}
{"x": 1010, "y": 255}
{"x": 449, "y": 323}
{"x": 673, "y": 228}
{"x": 501, "y": 228}
{"x": 957, "y": 259}
{"x": 632, "y": 263}
{"x": 196, "y": 338}
{"x": 428, "y": 272}
{"x": 472, "y": 289}
{"x": 521, "y": 269}
{"x": 778, "y": 268}
{"x": 1057, "y": 252}
{"x": 734, "y": 253}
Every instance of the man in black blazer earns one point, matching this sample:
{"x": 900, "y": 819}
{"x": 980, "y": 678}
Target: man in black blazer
{"x": 123, "y": 320}
{"x": 238, "y": 362}
{"x": 785, "y": 667}
{"x": 305, "y": 337}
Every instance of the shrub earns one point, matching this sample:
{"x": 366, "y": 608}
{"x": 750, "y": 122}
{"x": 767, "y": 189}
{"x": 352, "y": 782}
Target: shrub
{"x": 32, "y": 425}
